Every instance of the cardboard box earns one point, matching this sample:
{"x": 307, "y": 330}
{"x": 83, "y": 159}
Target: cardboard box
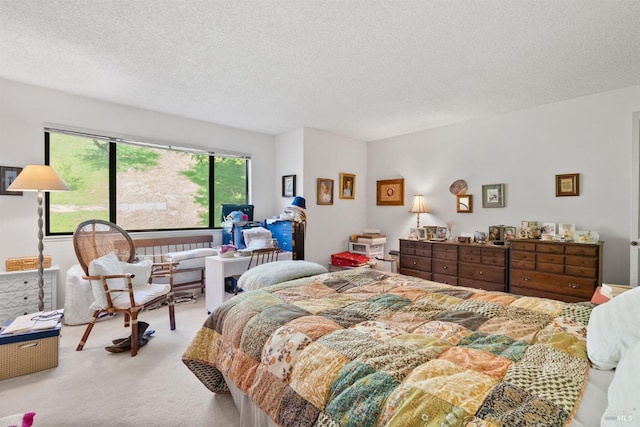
{"x": 29, "y": 352}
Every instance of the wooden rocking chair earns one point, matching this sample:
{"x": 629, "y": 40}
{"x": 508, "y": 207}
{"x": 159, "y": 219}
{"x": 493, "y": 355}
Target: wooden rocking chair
{"x": 101, "y": 247}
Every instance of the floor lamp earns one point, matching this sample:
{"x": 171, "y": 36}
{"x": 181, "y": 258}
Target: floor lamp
{"x": 39, "y": 178}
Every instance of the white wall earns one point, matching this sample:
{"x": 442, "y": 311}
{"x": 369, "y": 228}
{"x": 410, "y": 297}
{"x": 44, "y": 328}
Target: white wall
{"x": 289, "y": 160}
{"x": 524, "y": 149}
{"x": 329, "y": 226}
{"x": 23, "y": 111}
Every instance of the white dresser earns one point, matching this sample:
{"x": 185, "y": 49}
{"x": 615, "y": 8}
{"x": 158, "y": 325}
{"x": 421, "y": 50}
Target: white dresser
{"x": 19, "y": 292}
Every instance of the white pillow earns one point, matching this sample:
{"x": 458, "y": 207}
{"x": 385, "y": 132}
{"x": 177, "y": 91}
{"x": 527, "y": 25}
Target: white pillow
{"x": 141, "y": 271}
{"x": 103, "y": 266}
{"x": 624, "y": 399}
{"x": 613, "y": 329}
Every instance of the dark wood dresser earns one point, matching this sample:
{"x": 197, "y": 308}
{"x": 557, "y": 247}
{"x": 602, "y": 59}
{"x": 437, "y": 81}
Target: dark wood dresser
{"x": 475, "y": 266}
{"x": 568, "y": 272}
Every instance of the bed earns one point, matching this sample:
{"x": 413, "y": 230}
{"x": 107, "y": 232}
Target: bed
{"x": 371, "y": 348}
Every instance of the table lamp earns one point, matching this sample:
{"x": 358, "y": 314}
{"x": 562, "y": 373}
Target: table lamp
{"x": 419, "y": 206}
{"x": 39, "y": 178}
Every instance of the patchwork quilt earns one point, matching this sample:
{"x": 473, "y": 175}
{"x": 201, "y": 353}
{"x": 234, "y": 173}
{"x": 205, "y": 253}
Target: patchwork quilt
{"x": 368, "y": 348}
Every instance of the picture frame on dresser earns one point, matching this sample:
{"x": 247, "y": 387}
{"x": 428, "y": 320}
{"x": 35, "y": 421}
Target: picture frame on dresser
{"x": 493, "y": 196}
{"x": 7, "y": 175}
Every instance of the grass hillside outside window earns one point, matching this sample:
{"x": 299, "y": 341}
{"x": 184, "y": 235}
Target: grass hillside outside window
{"x": 155, "y": 188}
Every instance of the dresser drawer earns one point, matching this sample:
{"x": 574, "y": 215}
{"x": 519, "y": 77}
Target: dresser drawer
{"x": 494, "y": 258}
{"x": 482, "y": 272}
{"x": 572, "y": 270}
{"x": 544, "y": 282}
{"x": 523, "y": 256}
{"x": 470, "y": 258}
{"x": 449, "y": 268}
{"x": 550, "y": 268}
{"x": 415, "y": 263}
{"x": 584, "y": 250}
{"x": 523, "y": 265}
{"x": 445, "y": 252}
{"x": 416, "y": 273}
{"x": 550, "y": 248}
{"x": 443, "y": 278}
{"x": 479, "y": 284}
{"x": 523, "y": 246}
{"x": 550, "y": 258}
{"x": 582, "y": 261}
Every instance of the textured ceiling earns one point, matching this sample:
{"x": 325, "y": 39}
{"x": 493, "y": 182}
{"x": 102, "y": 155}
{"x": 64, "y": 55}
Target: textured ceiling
{"x": 367, "y": 69}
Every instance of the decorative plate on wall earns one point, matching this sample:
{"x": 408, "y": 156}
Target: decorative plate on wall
{"x": 458, "y": 187}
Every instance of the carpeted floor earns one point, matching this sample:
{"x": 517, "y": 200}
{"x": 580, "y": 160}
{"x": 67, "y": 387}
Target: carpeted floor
{"x": 96, "y": 388}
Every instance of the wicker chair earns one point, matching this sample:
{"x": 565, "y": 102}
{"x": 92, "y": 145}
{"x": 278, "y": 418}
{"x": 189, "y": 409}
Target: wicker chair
{"x": 97, "y": 239}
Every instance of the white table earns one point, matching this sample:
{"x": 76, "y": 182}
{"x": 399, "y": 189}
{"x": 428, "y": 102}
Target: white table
{"x": 216, "y": 269}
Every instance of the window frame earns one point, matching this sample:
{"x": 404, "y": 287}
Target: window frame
{"x": 113, "y": 143}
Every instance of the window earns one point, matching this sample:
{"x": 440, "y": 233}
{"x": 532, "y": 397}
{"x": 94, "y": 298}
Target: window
{"x": 139, "y": 186}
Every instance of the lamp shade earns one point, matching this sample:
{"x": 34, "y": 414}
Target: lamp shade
{"x": 38, "y": 178}
{"x": 419, "y": 204}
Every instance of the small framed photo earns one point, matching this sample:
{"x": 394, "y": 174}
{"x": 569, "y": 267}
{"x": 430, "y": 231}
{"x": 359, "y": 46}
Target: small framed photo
{"x": 567, "y": 231}
{"x": 480, "y": 237}
{"x": 464, "y": 203}
{"x": 325, "y": 191}
{"x": 390, "y": 192}
{"x": 495, "y": 233}
{"x": 289, "y": 186}
{"x": 493, "y": 196}
{"x": 568, "y": 185}
{"x": 549, "y": 228}
{"x": 347, "y": 186}
{"x": 8, "y": 174}
{"x": 422, "y": 233}
{"x": 509, "y": 233}
{"x": 441, "y": 233}
{"x": 413, "y": 234}
{"x": 431, "y": 231}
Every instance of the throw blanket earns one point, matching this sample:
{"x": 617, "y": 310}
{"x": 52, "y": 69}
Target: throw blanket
{"x": 369, "y": 348}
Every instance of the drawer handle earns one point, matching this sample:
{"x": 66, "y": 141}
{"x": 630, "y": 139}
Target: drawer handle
{"x": 574, "y": 285}
{"x": 445, "y": 267}
{"x": 25, "y": 282}
{"x": 526, "y": 279}
{"x": 25, "y": 298}
{"x": 415, "y": 263}
{"x": 481, "y": 273}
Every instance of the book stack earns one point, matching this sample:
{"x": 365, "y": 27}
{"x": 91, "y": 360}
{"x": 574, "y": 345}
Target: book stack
{"x": 611, "y": 291}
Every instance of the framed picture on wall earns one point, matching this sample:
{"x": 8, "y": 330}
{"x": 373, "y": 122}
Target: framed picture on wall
{"x": 347, "y": 186}
{"x": 390, "y": 192}
{"x": 325, "y": 191}
{"x": 493, "y": 196}
{"x": 288, "y": 186}
{"x": 568, "y": 185}
{"x": 7, "y": 175}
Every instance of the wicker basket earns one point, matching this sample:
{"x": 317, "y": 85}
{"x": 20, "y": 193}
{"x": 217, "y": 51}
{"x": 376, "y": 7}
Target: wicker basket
{"x": 26, "y": 263}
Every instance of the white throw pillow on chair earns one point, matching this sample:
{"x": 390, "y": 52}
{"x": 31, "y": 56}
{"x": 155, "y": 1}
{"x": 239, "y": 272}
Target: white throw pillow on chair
{"x": 103, "y": 266}
{"x": 141, "y": 271}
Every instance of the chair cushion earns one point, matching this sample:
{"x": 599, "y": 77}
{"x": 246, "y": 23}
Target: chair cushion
{"x": 103, "y": 266}
{"x": 142, "y": 295}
